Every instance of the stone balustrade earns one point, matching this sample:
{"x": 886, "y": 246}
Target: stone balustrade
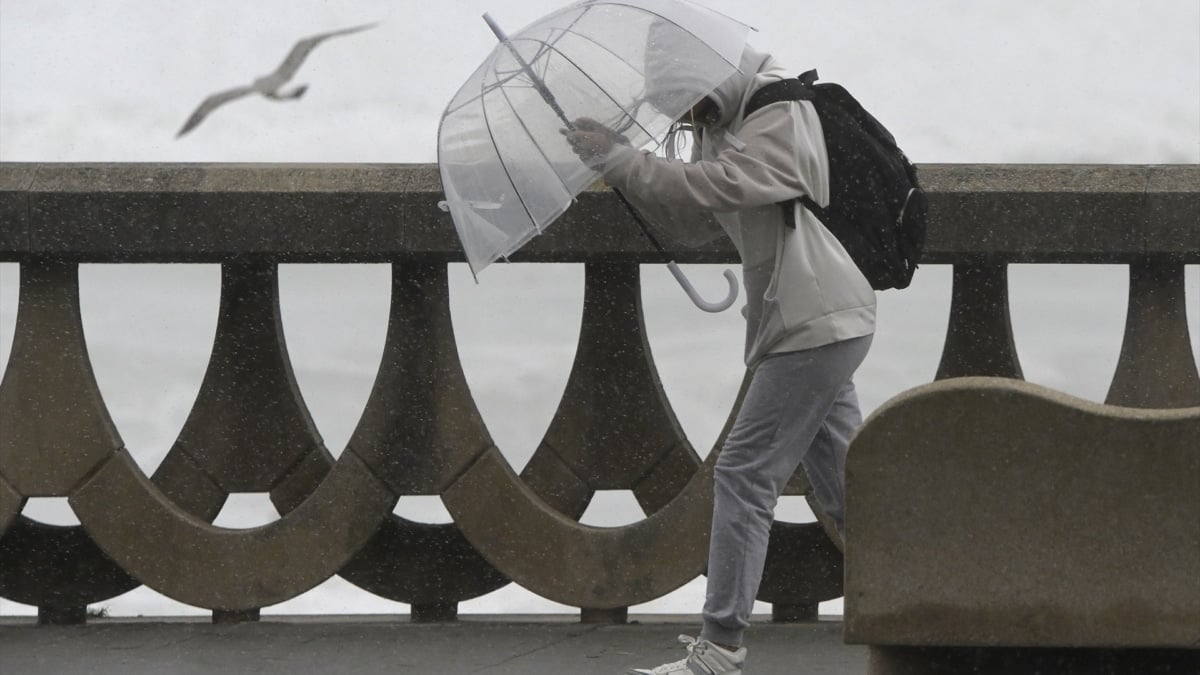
{"x": 420, "y": 432}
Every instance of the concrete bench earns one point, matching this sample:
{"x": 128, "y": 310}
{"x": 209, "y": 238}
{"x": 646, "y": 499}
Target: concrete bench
{"x": 994, "y": 525}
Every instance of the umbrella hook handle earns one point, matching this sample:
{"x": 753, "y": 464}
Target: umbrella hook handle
{"x": 695, "y": 295}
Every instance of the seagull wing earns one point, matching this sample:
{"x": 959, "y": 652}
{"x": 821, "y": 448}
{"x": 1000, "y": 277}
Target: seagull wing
{"x": 211, "y": 103}
{"x": 296, "y": 57}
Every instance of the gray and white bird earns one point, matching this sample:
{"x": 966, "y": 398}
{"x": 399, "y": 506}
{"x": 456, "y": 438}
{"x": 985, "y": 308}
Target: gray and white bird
{"x": 269, "y": 85}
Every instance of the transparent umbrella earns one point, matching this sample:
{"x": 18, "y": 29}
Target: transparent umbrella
{"x": 506, "y": 171}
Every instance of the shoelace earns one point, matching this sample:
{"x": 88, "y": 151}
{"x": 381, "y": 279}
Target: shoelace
{"x": 694, "y": 648}
{"x": 694, "y": 645}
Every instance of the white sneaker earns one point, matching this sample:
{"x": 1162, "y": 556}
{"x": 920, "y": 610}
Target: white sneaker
{"x": 704, "y": 658}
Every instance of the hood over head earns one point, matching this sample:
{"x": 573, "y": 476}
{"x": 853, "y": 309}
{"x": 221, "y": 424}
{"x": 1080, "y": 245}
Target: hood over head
{"x": 733, "y": 93}
{"x": 680, "y": 72}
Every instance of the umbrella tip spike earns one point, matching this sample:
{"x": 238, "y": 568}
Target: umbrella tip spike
{"x": 495, "y": 27}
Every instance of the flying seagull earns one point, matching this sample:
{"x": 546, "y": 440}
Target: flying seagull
{"x": 269, "y": 85}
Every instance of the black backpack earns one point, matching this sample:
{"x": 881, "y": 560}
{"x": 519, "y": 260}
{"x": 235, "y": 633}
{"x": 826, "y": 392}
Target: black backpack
{"x": 876, "y": 207}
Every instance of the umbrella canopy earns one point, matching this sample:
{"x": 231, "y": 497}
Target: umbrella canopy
{"x": 506, "y": 171}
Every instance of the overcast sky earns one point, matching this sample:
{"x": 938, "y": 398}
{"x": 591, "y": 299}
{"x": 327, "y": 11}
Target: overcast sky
{"x": 980, "y": 81}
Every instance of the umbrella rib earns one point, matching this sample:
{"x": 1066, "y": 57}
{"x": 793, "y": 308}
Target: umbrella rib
{"x": 504, "y": 164}
{"x": 676, "y": 24}
{"x": 591, "y": 79}
{"x": 500, "y": 81}
{"x": 548, "y": 45}
{"x": 499, "y": 155}
{"x": 533, "y": 139}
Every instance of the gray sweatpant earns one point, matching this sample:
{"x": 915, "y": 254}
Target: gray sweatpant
{"x": 801, "y": 408}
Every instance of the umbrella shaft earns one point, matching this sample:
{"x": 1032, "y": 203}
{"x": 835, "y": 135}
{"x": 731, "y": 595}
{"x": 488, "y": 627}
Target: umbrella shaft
{"x": 637, "y": 218}
{"x": 538, "y": 84}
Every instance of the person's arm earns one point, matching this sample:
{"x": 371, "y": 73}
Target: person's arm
{"x": 770, "y": 169}
{"x": 689, "y": 225}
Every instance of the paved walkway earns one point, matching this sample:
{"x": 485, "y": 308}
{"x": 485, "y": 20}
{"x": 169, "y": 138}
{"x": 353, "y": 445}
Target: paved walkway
{"x": 367, "y": 645}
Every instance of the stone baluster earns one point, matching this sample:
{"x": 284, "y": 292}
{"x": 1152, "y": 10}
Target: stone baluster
{"x": 419, "y": 430}
{"x": 54, "y": 431}
{"x": 613, "y": 430}
{"x": 248, "y": 431}
{"x": 1156, "y": 368}
{"x": 979, "y": 338}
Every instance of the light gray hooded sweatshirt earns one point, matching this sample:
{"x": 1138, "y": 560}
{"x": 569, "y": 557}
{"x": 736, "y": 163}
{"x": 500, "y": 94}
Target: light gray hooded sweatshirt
{"x": 802, "y": 288}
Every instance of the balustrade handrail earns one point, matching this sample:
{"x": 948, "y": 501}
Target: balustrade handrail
{"x": 146, "y": 212}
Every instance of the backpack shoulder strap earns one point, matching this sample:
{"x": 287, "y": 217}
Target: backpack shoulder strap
{"x": 791, "y": 89}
